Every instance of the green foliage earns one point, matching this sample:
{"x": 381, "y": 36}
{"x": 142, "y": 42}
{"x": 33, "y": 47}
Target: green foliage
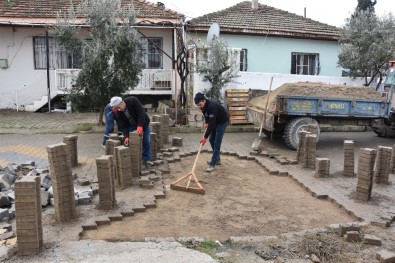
{"x": 219, "y": 69}
{"x": 110, "y": 53}
{"x": 367, "y": 44}
{"x": 366, "y": 5}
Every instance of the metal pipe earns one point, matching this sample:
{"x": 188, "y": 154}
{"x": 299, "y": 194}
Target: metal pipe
{"x": 48, "y": 79}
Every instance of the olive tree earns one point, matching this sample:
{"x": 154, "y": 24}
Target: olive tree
{"x": 109, "y": 53}
{"x": 367, "y": 44}
{"x": 219, "y": 70}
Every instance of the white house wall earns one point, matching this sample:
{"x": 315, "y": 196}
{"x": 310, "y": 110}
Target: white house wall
{"x": 16, "y": 45}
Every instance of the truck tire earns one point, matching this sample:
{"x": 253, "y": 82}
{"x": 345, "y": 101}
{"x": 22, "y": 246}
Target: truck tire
{"x": 292, "y": 129}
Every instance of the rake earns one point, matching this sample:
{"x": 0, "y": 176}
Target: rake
{"x": 197, "y": 190}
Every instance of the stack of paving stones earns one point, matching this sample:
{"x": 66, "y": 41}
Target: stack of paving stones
{"x": 28, "y": 216}
{"x": 366, "y": 162}
{"x": 62, "y": 181}
{"x": 135, "y": 147}
{"x": 161, "y": 139}
{"x": 177, "y": 141}
{"x": 106, "y": 179}
{"x": 71, "y": 141}
{"x": 124, "y": 176}
{"x": 156, "y": 128}
{"x": 322, "y": 166}
{"x": 300, "y": 153}
{"x": 382, "y": 171}
{"x": 348, "y": 168}
{"x": 110, "y": 146}
{"x": 166, "y": 128}
{"x": 393, "y": 160}
{"x": 312, "y": 128}
{"x": 310, "y": 149}
{"x": 154, "y": 146}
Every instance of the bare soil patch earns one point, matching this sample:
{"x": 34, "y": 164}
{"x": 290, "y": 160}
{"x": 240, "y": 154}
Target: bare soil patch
{"x": 241, "y": 200}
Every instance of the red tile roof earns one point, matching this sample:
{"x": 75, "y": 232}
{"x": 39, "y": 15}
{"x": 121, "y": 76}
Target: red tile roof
{"x": 49, "y": 8}
{"x": 266, "y": 20}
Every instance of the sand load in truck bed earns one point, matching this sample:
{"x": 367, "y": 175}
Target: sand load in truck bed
{"x": 314, "y": 90}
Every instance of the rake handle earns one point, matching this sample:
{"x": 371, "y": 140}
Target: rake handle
{"x": 197, "y": 157}
{"x": 267, "y": 103}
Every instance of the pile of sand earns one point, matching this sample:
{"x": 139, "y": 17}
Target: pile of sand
{"x": 316, "y": 90}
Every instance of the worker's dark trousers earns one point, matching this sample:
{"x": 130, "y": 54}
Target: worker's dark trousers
{"x": 109, "y": 117}
{"x": 146, "y": 141}
{"x": 216, "y": 136}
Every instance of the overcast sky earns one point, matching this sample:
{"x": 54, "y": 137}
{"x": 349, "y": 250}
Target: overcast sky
{"x": 332, "y": 12}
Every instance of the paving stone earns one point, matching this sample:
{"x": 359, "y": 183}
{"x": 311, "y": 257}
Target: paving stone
{"x": 102, "y": 221}
{"x": 352, "y": 236}
{"x": 385, "y": 256}
{"x": 90, "y": 225}
{"x": 127, "y": 211}
{"x": 371, "y": 240}
{"x": 115, "y": 217}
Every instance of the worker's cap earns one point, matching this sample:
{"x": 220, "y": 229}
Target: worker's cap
{"x": 115, "y": 101}
{"x": 198, "y": 97}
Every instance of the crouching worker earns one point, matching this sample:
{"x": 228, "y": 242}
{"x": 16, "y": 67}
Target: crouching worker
{"x": 131, "y": 116}
{"x": 216, "y": 119}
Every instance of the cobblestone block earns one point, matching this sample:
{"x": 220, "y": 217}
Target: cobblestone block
{"x": 385, "y": 256}
{"x": 371, "y": 240}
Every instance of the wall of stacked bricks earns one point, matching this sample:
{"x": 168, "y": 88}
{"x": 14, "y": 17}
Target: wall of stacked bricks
{"x": 310, "y": 150}
{"x": 123, "y": 166}
{"x": 312, "y": 128}
{"x": 156, "y": 128}
{"x": 62, "y": 181}
{"x": 300, "y": 153}
{"x": 29, "y": 230}
{"x": 106, "y": 180}
{"x": 322, "y": 166}
{"x": 348, "y": 167}
{"x": 366, "y": 161}
{"x": 161, "y": 133}
{"x": 110, "y": 146}
{"x": 177, "y": 142}
{"x": 154, "y": 146}
{"x": 393, "y": 160}
{"x": 166, "y": 128}
{"x": 383, "y": 165}
{"x": 135, "y": 147}
{"x": 71, "y": 141}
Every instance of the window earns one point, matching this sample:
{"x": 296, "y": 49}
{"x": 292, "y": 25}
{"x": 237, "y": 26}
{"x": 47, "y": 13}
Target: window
{"x": 305, "y": 64}
{"x": 59, "y": 57}
{"x": 243, "y": 59}
{"x": 151, "y": 55}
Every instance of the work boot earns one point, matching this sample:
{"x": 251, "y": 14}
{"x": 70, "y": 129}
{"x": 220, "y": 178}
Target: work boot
{"x": 210, "y": 168}
{"x": 218, "y": 163}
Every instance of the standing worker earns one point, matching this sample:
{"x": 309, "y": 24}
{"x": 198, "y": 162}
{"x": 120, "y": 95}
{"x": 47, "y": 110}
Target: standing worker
{"x": 216, "y": 119}
{"x": 132, "y": 116}
{"x": 110, "y": 117}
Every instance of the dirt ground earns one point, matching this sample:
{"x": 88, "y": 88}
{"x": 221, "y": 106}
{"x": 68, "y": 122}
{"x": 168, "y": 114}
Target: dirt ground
{"x": 241, "y": 200}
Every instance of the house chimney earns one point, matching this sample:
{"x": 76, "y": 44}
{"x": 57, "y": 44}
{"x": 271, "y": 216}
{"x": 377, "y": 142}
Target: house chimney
{"x": 254, "y": 5}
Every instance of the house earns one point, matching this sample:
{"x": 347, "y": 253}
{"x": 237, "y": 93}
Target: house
{"x": 25, "y": 83}
{"x": 272, "y": 42}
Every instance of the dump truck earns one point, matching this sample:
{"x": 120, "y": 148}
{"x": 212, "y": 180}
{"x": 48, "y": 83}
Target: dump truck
{"x": 289, "y": 109}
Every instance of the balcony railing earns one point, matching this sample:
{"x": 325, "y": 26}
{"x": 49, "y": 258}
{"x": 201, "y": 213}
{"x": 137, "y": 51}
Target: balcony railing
{"x": 150, "y": 80}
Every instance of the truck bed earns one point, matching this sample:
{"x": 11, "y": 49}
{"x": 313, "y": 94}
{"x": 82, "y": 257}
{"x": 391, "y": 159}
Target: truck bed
{"x": 330, "y": 107}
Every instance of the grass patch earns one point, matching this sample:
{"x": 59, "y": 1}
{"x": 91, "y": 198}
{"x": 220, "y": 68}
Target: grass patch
{"x": 83, "y": 127}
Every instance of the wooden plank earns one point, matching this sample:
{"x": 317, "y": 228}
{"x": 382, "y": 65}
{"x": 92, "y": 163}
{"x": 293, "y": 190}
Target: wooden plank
{"x": 234, "y": 95}
{"x": 236, "y": 113}
{"x": 246, "y": 99}
{"x": 237, "y": 108}
{"x": 228, "y": 91}
{"x": 238, "y": 122}
{"x": 237, "y": 104}
{"x": 241, "y": 117}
